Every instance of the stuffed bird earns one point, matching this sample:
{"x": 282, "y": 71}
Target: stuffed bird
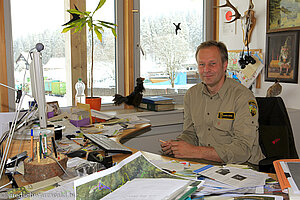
{"x": 275, "y": 89}
{"x": 135, "y": 98}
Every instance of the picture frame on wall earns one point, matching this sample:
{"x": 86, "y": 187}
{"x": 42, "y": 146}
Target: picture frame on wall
{"x": 283, "y": 15}
{"x": 282, "y": 55}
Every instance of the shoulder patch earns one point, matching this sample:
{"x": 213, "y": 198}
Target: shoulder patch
{"x": 252, "y": 107}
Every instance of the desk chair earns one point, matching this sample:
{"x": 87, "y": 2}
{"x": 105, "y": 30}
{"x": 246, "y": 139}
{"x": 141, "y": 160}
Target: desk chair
{"x": 275, "y": 132}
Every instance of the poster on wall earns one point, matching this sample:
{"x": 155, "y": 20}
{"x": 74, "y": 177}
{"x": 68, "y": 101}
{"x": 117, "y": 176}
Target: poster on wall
{"x": 227, "y": 28}
{"x": 248, "y": 75}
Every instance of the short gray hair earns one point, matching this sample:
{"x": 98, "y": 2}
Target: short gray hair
{"x": 212, "y": 43}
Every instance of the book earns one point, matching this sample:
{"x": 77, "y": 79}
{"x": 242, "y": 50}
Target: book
{"x": 157, "y": 107}
{"x": 157, "y": 100}
{"x": 192, "y": 188}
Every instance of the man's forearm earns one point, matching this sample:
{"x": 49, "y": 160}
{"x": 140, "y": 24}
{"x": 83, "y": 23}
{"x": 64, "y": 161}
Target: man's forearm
{"x": 207, "y": 153}
{"x": 182, "y": 149}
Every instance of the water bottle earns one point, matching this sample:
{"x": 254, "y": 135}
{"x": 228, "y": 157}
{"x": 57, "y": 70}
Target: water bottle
{"x": 80, "y": 96}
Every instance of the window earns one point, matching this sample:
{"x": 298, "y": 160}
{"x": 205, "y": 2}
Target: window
{"x": 104, "y": 54}
{"x": 169, "y": 33}
{"x": 32, "y": 24}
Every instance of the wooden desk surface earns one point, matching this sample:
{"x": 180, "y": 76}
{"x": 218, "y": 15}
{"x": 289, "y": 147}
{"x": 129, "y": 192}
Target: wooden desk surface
{"x": 25, "y": 145}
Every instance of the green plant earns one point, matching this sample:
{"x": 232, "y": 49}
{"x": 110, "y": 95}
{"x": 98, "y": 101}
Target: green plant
{"x": 80, "y": 20}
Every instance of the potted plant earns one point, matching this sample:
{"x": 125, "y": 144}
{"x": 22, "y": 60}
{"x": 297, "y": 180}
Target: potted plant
{"x": 81, "y": 19}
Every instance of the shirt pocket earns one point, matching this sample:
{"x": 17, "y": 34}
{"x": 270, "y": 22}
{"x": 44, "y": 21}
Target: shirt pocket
{"x": 223, "y": 131}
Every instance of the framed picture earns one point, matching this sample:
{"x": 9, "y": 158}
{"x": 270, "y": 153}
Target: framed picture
{"x": 53, "y": 108}
{"x": 283, "y": 15}
{"x": 282, "y": 54}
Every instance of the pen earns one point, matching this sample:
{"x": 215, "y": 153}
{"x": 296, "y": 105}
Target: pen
{"x": 32, "y": 156}
{"x": 41, "y": 146}
{"x": 162, "y": 141}
{"x": 54, "y": 147}
{"x": 45, "y": 137}
{"x": 76, "y": 142}
{"x": 170, "y": 171}
{"x": 38, "y": 151}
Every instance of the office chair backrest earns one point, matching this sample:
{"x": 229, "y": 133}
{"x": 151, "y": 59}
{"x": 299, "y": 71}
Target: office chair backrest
{"x": 275, "y": 132}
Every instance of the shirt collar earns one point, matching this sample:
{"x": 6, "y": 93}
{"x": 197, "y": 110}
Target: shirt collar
{"x": 221, "y": 92}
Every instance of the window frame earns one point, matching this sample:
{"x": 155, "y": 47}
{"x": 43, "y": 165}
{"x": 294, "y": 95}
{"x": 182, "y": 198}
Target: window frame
{"x": 121, "y": 9}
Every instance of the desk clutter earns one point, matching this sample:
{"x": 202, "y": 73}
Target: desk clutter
{"x": 64, "y": 161}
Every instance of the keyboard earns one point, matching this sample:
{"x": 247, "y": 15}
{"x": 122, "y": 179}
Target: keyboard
{"x": 108, "y": 145}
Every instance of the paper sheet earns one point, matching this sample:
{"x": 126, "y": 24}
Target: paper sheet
{"x": 149, "y": 189}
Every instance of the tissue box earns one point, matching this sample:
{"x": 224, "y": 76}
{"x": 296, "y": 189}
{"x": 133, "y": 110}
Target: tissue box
{"x": 82, "y": 122}
{"x": 50, "y": 114}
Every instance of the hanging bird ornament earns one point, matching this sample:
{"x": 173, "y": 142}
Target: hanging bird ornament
{"x": 177, "y": 27}
{"x": 74, "y": 17}
{"x": 275, "y": 89}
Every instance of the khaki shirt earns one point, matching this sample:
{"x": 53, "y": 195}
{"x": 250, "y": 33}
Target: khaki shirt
{"x": 227, "y": 121}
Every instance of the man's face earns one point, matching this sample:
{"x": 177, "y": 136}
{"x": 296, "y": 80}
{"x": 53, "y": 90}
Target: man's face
{"x": 210, "y": 66}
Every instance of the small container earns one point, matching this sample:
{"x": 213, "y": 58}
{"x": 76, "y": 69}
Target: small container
{"x": 58, "y": 132}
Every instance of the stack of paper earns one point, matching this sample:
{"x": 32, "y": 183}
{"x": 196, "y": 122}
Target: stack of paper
{"x": 149, "y": 189}
{"x": 223, "y": 179}
{"x": 233, "y": 176}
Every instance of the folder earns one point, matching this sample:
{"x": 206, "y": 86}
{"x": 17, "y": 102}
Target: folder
{"x": 281, "y": 175}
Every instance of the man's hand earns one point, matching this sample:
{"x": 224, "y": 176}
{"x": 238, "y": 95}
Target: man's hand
{"x": 166, "y": 147}
{"x": 182, "y": 149}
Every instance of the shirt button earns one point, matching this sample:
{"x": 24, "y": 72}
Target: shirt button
{"x": 208, "y": 145}
{"x": 207, "y": 113}
{"x": 211, "y": 98}
{"x": 208, "y": 129}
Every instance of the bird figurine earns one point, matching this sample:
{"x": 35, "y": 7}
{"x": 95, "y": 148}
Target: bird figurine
{"x": 275, "y": 89}
{"x": 177, "y": 27}
{"x": 134, "y": 98}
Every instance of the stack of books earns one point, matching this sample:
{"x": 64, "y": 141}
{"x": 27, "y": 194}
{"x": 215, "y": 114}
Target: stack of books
{"x": 157, "y": 103}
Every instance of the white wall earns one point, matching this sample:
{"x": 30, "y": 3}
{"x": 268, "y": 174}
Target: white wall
{"x": 290, "y": 92}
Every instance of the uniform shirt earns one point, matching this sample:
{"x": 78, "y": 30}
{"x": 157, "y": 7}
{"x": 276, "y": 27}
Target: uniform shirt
{"x": 227, "y": 121}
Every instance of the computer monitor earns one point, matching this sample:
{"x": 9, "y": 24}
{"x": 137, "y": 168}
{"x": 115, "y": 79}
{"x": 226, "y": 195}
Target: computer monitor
{"x": 37, "y": 84}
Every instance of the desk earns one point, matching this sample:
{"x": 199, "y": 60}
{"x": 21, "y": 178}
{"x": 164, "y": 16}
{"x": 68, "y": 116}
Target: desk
{"x": 18, "y": 146}
{"x": 116, "y": 158}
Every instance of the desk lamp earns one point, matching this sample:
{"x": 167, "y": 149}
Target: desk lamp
{"x": 38, "y": 93}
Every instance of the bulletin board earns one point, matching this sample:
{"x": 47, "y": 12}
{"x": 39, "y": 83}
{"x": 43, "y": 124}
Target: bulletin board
{"x": 251, "y": 72}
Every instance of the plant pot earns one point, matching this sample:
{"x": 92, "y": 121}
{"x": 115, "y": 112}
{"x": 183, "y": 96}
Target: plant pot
{"x": 95, "y": 103}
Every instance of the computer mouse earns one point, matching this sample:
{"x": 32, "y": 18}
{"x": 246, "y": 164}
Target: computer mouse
{"x": 77, "y": 153}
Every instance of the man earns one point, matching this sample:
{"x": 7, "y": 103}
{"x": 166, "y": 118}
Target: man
{"x": 220, "y": 114}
